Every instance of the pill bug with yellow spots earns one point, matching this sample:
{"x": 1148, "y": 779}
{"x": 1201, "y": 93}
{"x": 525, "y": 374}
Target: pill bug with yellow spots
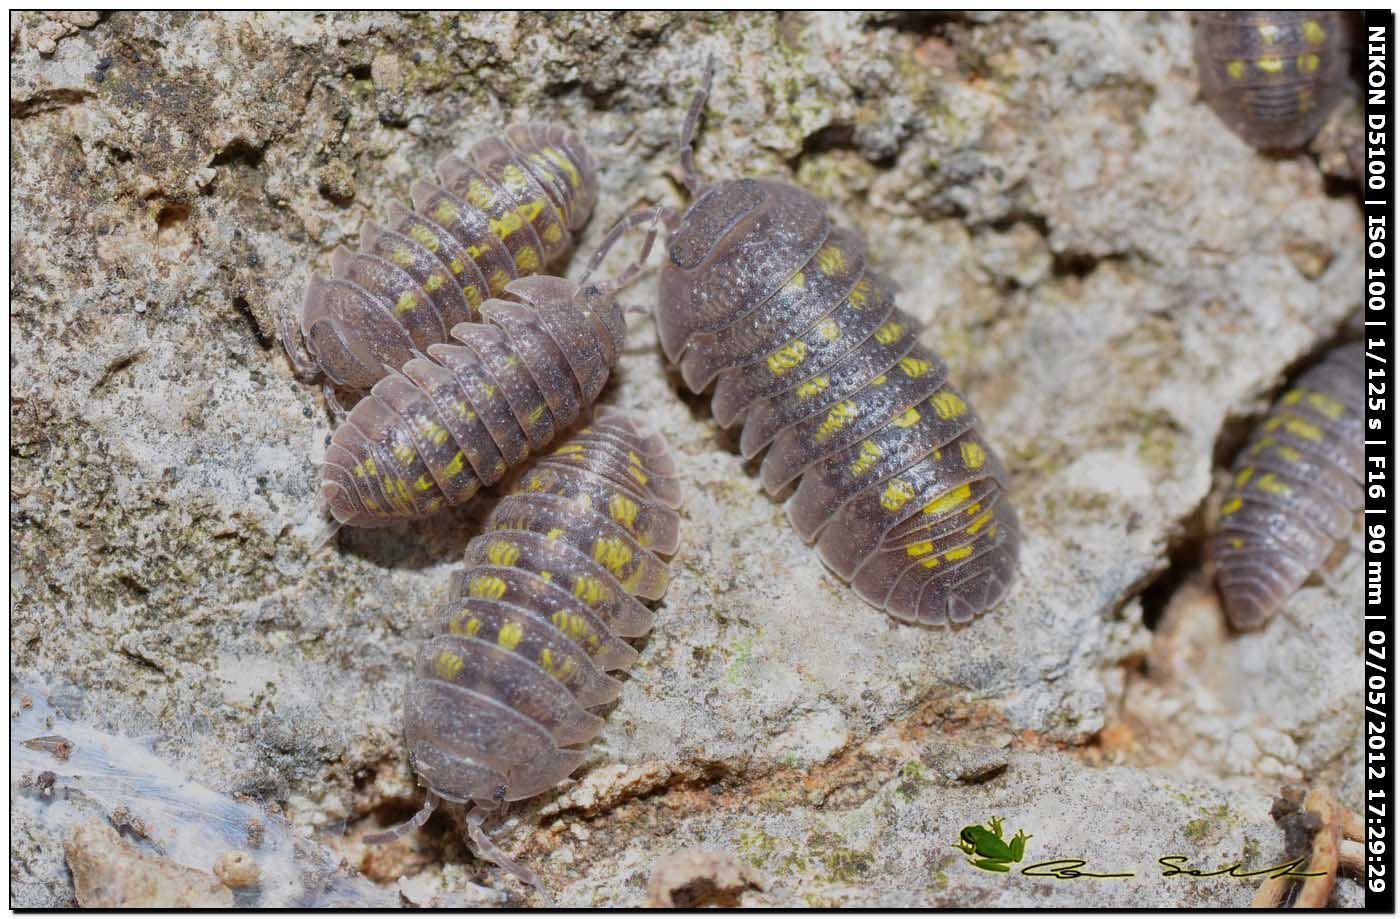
{"x": 1296, "y": 491}
{"x": 765, "y": 298}
{"x": 459, "y": 417}
{"x": 498, "y": 708}
{"x": 507, "y": 210}
{"x": 1272, "y": 75}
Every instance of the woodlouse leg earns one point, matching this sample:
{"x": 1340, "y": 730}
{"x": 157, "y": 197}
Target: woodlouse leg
{"x": 485, "y": 848}
{"x": 408, "y": 826}
{"x": 338, "y": 410}
{"x": 693, "y": 183}
{"x": 303, "y": 363}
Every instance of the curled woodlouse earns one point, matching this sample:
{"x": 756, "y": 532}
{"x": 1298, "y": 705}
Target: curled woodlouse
{"x": 507, "y": 210}
{"x": 1296, "y": 492}
{"x": 764, "y": 297}
{"x": 1272, "y": 75}
{"x": 498, "y": 707}
{"x": 458, "y": 418}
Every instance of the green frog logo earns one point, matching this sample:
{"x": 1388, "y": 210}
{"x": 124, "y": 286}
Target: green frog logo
{"x": 987, "y": 849}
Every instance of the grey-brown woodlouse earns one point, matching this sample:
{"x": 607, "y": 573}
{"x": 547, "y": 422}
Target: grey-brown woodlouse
{"x": 901, "y": 494}
{"x": 461, "y": 416}
{"x": 1272, "y": 75}
{"x": 1296, "y": 492}
{"x": 498, "y": 706}
{"x": 506, "y": 211}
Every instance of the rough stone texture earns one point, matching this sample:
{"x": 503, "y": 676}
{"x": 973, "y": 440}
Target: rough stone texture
{"x": 110, "y": 873}
{"x": 1115, "y": 279}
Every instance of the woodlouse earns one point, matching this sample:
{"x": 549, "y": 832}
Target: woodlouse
{"x": 902, "y": 496}
{"x": 1296, "y": 492}
{"x": 460, "y": 417}
{"x": 506, "y": 211}
{"x": 498, "y": 706}
{"x": 1272, "y": 75}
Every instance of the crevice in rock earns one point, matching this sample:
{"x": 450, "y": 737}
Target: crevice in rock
{"x": 1185, "y": 555}
{"x": 49, "y": 100}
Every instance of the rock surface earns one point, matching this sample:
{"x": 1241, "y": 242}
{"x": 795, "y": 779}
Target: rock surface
{"x": 1117, "y": 282}
{"x": 110, "y": 873}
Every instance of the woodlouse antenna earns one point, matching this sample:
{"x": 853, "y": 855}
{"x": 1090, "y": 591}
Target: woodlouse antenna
{"x": 629, "y": 273}
{"x": 693, "y": 183}
{"x": 408, "y": 826}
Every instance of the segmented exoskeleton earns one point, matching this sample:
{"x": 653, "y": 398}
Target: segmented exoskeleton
{"x": 507, "y": 211}
{"x": 458, "y": 418}
{"x": 498, "y": 706}
{"x": 901, "y": 494}
{"x": 1272, "y": 75}
{"x": 1296, "y": 491}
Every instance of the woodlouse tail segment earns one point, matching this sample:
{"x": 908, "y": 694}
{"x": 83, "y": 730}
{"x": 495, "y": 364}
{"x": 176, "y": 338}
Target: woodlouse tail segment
{"x": 487, "y": 849}
{"x": 693, "y": 182}
{"x": 408, "y": 826}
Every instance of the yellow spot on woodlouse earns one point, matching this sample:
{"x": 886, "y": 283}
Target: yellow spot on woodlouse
{"x": 814, "y": 386}
{"x": 553, "y": 233}
{"x": 445, "y": 212}
{"x": 1231, "y": 506}
{"x": 1243, "y": 476}
{"x": 1236, "y": 542}
{"x": 486, "y": 587}
{"x": 1268, "y": 32}
{"x": 1325, "y": 405}
{"x": 509, "y": 635}
{"x": 424, "y": 237}
{"x": 881, "y": 380}
{"x": 869, "y": 453}
{"x": 528, "y": 259}
{"x": 505, "y": 225}
{"x": 1288, "y": 454}
{"x": 859, "y": 295}
{"x": 948, "y": 500}
{"x": 889, "y": 333}
{"x": 828, "y": 329}
{"x": 952, "y": 555}
{"x": 434, "y": 281}
{"x": 1236, "y": 70}
{"x": 919, "y": 549}
{"x": 447, "y": 665}
{"x": 513, "y": 178}
{"x": 502, "y": 553}
{"x": 424, "y": 483}
{"x": 948, "y": 405}
{"x": 1313, "y": 32}
{"x": 400, "y": 256}
{"x": 473, "y": 295}
{"x": 404, "y": 453}
{"x": 564, "y": 163}
{"x": 896, "y": 494}
{"x": 365, "y": 468}
{"x": 907, "y": 418}
{"x": 554, "y": 533}
{"x": 591, "y": 590}
{"x": 574, "y": 626}
{"x": 831, "y": 260}
{"x": 536, "y": 414}
{"x": 1308, "y": 63}
{"x": 787, "y": 357}
{"x": 1269, "y": 64}
{"x": 479, "y": 194}
{"x": 836, "y": 418}
{"x": 465, "y": 625}
{"x": 979, "y": 522}
{"x": 434, "y": 431}
{"x": 973, "y": 456}
{"x": 1270, "y": 483}
{"x": 612, "y": 553}
{"x": 498, "y": 280}
{"x": 915, "y": 367}
{"x": 623, "y": 509}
